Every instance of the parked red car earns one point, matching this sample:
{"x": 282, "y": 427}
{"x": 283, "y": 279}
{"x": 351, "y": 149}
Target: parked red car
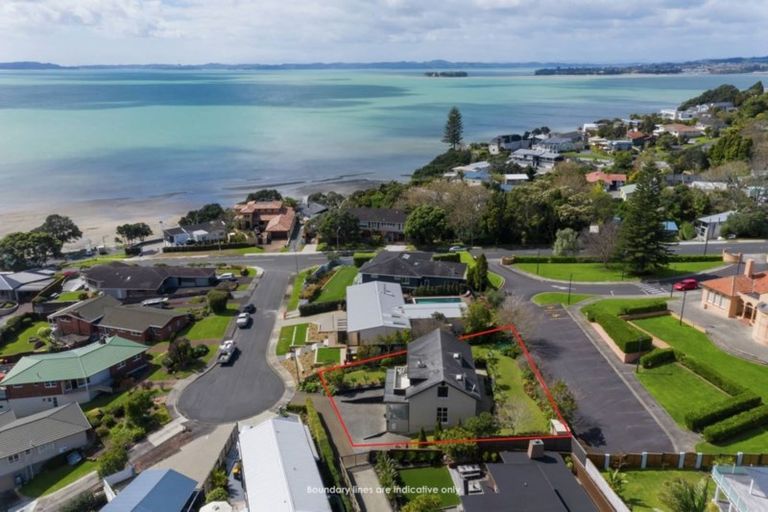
{"x": 686, "y": 284}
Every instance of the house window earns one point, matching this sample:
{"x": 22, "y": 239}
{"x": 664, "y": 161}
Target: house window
{"x": 137, "y": 357}
{"x": 442, "y": 415}
{"x": 120, "y": 365}
{"x": 51, "y": 384}
{"x": 13, "y": 458}
{"x": 442, "y": 391}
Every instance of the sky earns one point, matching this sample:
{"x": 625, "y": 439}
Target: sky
{"x": 73, "y": 32}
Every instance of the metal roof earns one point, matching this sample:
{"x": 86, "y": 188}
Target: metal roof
{"x": 374, "y": 304}
{"x": 154, "y": 490}
{"x": 138, "y": 318}
{"x": 90, "y": 309}
{"x": 716, "y": 218}
{"x": 412, "y": 264}
{"x": 73, "y": 364}
{"x": 36, "y": 279}
{"x": 40, "y": 429}
{"x": 279, "y": 468}
{"x": 130, "y": 277}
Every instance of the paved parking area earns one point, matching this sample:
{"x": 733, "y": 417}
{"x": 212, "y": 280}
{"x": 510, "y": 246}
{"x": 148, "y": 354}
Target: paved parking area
{"x": 610, "y": 417}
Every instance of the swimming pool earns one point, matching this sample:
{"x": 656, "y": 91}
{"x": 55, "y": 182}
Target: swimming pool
{"x": 435, "y": 300}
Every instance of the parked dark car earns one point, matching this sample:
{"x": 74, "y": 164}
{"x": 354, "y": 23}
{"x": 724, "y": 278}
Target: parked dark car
{"x": 249, "y": 308}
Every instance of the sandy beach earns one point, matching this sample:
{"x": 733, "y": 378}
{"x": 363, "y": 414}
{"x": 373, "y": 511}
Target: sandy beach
{"x": 99, "y": 218}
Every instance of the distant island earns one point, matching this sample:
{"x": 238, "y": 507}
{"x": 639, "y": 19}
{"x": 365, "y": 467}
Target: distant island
{"x": 710, "y": 66}
{"x": 446, "y": 74}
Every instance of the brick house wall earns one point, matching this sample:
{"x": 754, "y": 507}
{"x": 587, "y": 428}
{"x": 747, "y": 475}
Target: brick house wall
{"x": 126, "y": 367}
{"x": 68, "y": 324}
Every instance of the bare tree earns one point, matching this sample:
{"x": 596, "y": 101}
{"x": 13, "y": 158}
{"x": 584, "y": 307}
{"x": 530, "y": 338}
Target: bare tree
{"x": 602, "y": 244}
{"x": 519, "y": 312}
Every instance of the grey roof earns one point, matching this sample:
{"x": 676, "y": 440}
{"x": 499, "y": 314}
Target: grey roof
{"x": 533, "y": 485}
{"x": 41, "y": 428}
{"x": 214, "y": 225}
{"x": 29, "y": 279}
{"x": 412, "y": 264}
{"x": 717, "y": 218}
{"x": 312, "y": 209}
{"x": 374, "y": 304}
{"x": 89, "y": 309}
{"x": 154, "y": 490}
{"x": 389, "y": 215}
{"x": 138, "y": 318}
{"x": 439, "y": 357}
{"x": 120, "y": 275}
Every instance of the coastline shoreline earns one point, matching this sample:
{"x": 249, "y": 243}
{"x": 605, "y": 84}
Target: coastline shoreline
{"x": 98, "y": 218}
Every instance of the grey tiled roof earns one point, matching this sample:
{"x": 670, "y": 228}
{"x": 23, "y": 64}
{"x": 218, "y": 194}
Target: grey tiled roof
{"x": 90, "y": 309}
{"x": 134, "y": 277}
{"x": 412, "y": 264}
{"x": 389, "y": 215}
{"x": 438, "y": 357}
{"x": 41, "y": 428}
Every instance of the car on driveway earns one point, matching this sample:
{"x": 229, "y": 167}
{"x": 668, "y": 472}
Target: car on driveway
{"x": 686, "y": 284}
{"x": 226, "y": 276}
{"x": 243, "y": 320}
{"x": 455, "y": 248}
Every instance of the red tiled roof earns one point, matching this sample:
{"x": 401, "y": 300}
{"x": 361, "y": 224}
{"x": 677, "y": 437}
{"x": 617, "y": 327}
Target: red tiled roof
{"x": 680, "y": 127}
{"x": 724, "y": 285}
{"x": 282, "y": 222}
{"x": 256, "y": 206}
{"x": 596, "y": 176}
{"x": 636, "y": 135}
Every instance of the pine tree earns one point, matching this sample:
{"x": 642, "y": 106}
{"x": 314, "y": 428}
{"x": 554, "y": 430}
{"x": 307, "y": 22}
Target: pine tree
{"x": 642, "y": 237}
{"x": 454, "y": 128}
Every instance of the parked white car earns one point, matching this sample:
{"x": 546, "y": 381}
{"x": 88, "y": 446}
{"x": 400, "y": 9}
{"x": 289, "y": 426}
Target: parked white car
{"x": 243, "y": 320}
{"x": 226, "y": 276}
{"x": 226, "y": 351}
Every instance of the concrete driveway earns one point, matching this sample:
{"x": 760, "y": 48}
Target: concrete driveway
{"x": 248, "y": 386}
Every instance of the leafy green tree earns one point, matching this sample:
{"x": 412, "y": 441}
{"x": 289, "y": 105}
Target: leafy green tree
{"x": 19, "y": 251}
{"x": 442, "y": 164}
{"x": 566, "y": 242}
{"x": 426, "y": 224}
{"x": 265, "y": 194}
{"x": 208, "y": 213}
{"x": 422, "y": 435}
{"x": 217, "y": 494}
{"x": 730, "y": 146}
{"x": 478, "y": 317}
{"x": 61, "y": 228}
{"x": 138, "y": 408}
{"x": 330, "y": 199}
{"x": 564, "y": 399}
{"x": 217, "y": 301}
{"x": 460, "y": 450}
{"x": 338, "y": 227}
{"x": 454, "y": 128}
{"x": 682, "y": 496}
{"x": 386, "y": 470}
{"x": 482, "y": 425}
{"x": 748, "y": 223}
{"x": 112, "y": 460}
{"x": 643, "y": 242}
{"x": 622, "y": 161}
{"x": 132, "y": 232}
{"x": 180, "y": 354}
{"x": 423, "y": 503}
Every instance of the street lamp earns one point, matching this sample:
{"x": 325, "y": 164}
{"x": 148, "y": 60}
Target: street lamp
{"x": 682, "y": 307}
{"x": 296, "y": 361}
{"x": 570, "y": 284}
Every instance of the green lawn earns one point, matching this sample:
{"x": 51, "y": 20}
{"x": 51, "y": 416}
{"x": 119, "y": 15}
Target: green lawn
{"x": 698, "y": 345}
{"x": 51, "y": 480}
{"x": 291, "y": 335}
{"x": 336, "y": 287}
{"x": 527, "y": 417}
{"x": 96, "y": 260}
{"x": 364, "y": 376}
{"x": 69, "y": 296}
{"x": 158, "y": 371}
{"x": 614, "y": 306}
{"x": 596, "y": 272}
{"x": 298, "y": 283}
{"x": 21, "y": 342}
{"x": 644, "y": 485}
{"x": 679, "y": 390}
{"x": 549, "y": 298}
{"x": 433, "y": 477}
{"x": 327, "y": 355}
{"x": 212, "y": 327}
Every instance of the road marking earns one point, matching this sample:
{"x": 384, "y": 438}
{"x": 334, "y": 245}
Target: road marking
{"x": 559, "y": 287}
{"x": 650, "y": 289}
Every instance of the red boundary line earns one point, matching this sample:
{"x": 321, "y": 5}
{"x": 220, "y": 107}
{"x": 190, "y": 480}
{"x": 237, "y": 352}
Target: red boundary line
{"x": 531, "y": 363}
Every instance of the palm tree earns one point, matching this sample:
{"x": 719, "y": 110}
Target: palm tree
{"x": 617, "y": 481}
{"x": 682, "y": 496}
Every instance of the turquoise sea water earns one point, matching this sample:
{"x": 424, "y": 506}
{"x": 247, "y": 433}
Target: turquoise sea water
{"x": 84, "y": 135}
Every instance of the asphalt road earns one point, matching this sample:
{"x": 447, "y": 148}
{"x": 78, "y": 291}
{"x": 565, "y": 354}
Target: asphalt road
{"x": 249, "y": 385}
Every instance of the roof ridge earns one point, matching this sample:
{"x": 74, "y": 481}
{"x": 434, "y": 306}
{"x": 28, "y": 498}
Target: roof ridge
{"x": 273, "y": 429}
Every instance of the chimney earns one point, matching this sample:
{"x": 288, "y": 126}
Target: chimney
{"x": 535, "y": 449}
{"x": 749, "y": 267}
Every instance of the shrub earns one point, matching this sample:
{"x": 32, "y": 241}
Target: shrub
{"x": 719, "y": 411}
{"x": 450, "y": 256}
{"x": 132, "y": 250}
{"x": 446, "y": 289}
{"x": 626, "y": 337}
{"x": 217, "y": 494}
{"x": 112, "y": 460}
{"x": 735, "y": 425}
{"x": 102, "y": 431}
{"x": 217, "y": 300}
{"x": 82, "y": 295}
{"x": 325, "y": 449}
{"x": 648, "y": 308}
{"x": 313, "y": 308}
{"x": 709, "y": 373}
{"x": 360, "y": 258}
{"x": 85, "y": 502}
{"x": 657, "y": 357}
{"x": 200, "y": 351}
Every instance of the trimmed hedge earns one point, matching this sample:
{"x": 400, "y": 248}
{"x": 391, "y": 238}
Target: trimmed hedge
{"x": 735, "y": 425}
{"x": 448, "y": 256}
{"x": 657, "y": 357}
{"x": 313, "y": 308}
{"x": 15, "y": 325}
{"x": 640, "y": 310}
{"x": 708, "y": 373}
{"x": 208, "y": 247}
{"x": 719, "y": 411}
{"x": 626, "y": 337}
{"x": 360, "y": 258}
{"x": 675, "y": 258}
{"x": 326, "y": 451}
{"x": 446, "y": 289}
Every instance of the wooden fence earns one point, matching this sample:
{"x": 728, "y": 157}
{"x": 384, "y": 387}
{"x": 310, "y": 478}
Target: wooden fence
{"x": 679, "y": 460}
